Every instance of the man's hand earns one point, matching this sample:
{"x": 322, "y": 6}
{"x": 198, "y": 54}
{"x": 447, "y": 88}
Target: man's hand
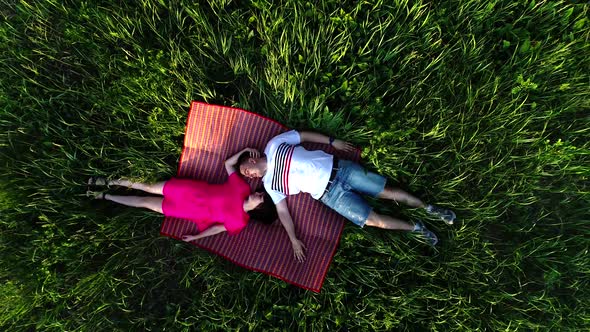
{"x": 343, "y": 146}
{"x": 285, "y": 218}
{"x": 298, "y": 250}
{"x": 230, "y": 163}
{"x": 253, "y": 152}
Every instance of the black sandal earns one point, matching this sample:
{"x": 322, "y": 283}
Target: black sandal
{"x": 94, "y": 179}
{"x": 93, "y": 194}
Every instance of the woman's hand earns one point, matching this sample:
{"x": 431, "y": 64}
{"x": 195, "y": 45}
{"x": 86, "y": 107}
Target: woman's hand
{"x": 298, "y": 250}
{"x": 187, "y": 238}
{"x": 343, "y": 146}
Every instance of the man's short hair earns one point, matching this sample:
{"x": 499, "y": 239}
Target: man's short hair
{"x": 242, "y": 159}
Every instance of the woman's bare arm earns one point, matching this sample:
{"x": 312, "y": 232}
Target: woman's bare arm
{"x": 216, "y": 229}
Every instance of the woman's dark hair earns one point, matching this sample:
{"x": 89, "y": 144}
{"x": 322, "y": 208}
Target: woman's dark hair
{"x": 266, "y": 212}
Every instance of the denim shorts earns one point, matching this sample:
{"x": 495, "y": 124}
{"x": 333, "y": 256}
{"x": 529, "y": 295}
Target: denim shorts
{"x": 343, "y": 194}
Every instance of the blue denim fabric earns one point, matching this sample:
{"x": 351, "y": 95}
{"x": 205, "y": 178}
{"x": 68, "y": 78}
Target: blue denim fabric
{"x": 343, "y": 194}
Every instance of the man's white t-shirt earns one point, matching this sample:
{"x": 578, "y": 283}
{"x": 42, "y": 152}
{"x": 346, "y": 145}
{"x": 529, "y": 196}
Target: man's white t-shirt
{"x": 292, "y": 169}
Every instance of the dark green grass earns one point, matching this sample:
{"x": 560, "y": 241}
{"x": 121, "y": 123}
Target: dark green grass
{"x": 482, "y": 106}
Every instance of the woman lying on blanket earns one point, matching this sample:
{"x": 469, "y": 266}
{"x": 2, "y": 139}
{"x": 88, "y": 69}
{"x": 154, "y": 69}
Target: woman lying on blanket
{"x": 214, "y": 208}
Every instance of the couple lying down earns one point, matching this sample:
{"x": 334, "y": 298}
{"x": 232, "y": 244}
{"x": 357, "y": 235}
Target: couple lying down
{"x": 286, "y": 168}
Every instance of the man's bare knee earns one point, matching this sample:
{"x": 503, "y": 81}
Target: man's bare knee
{"x": 391, "y": 193}
{"x": 374, "y": 220}
{"x": 398, "y": 194}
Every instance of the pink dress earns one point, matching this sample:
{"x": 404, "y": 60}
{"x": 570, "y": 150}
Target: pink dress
{"x": 208, "y": 204}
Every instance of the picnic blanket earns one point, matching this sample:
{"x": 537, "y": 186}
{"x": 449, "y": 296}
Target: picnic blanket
{"x": 212, "y": 134}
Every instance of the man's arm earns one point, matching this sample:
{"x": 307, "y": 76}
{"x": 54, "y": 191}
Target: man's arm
{"x": 216, "y": 229}
{"x": 285, "y": 218}
{"x": 308, "y": 136}
{"x": 231, "y": 162}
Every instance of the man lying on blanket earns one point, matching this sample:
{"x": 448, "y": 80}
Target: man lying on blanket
{"x": 288, "y": 169}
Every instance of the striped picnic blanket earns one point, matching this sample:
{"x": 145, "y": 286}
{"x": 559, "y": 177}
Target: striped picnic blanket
{"x": 212, "y": 134}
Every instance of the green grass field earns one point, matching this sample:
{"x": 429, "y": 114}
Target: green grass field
{"x": 481, "y": 106}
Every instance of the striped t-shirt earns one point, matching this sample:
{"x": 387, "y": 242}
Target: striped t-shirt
{"x": 292, "y": 169}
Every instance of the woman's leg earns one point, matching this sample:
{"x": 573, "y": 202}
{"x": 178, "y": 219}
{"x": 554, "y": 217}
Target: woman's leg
{"x": 152, "y": 203}
{"x": 153, "y": 188}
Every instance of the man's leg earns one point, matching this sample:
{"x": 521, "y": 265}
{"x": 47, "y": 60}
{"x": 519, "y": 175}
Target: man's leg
{"x": 354, "y": 208}
{"x": 400, "y": 196}
{"x": 373, "y": 184}
{"x": 152, "y": 203}
{"x": 387, "y": 222}
{"x": 153, "y": 188}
